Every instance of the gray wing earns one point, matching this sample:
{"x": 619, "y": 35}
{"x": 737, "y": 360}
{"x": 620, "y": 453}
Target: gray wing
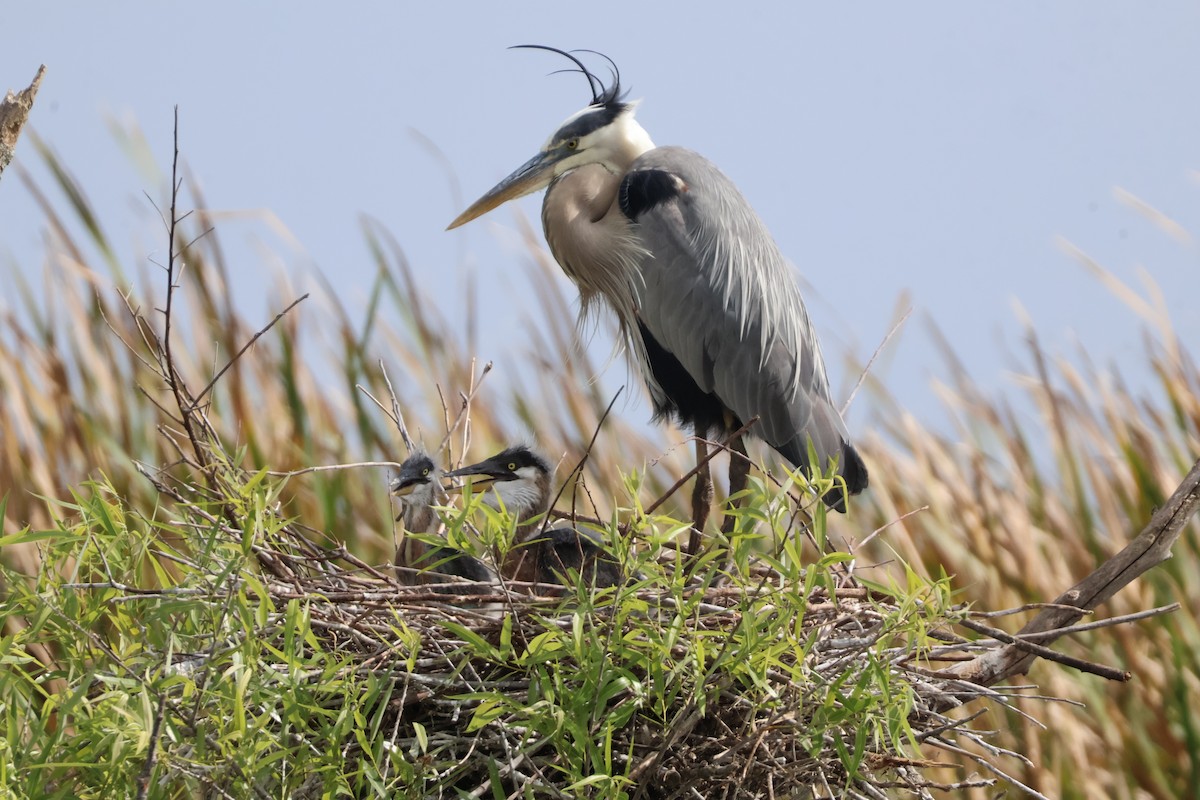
{"x": 717, "y": 294}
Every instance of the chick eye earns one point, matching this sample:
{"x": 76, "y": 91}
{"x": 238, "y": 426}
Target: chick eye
{"x": 572, "y": 144}
{"x": 424, "y": 472}
{"x": 512, "y": 466}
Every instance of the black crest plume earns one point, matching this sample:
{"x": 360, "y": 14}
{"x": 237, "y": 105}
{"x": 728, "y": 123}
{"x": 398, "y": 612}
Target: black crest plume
{"x": 608, "y": 96}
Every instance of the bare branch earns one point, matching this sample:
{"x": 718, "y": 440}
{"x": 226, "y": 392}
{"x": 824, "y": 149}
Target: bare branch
{"x": 1042, "y": 651}
{"x": 334, "y": 468}
{"x": 582, "y": 460}
{"x": 1149, "y": 549}
{"x": 245, "y": 347}
{"x": 464, "y": 404}
{"x": 14, "y": 113}
{"x": 871, "y": 361}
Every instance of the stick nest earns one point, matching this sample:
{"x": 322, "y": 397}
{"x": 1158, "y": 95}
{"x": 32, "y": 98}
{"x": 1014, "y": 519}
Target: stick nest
{"x": 767, "y": 688}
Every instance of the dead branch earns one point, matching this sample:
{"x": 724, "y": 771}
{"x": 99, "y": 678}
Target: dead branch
{"x": 1149, "y": 549}
{"x": 14, "y": 112}
{"x": 1041, "y": 651}
{"x": 216, "y": 378}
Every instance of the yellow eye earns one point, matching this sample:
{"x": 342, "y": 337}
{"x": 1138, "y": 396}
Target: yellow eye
{"x": 424, "y": 472}
{"x": 572, "y": 144}
{"x": 512, "y": 466}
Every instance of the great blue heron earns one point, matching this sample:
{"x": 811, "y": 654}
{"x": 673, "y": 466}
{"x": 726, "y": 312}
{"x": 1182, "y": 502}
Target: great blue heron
{"x": 706, "y": 303}
{"x": 419, "y": 488}
{"x": 520, "y": 483}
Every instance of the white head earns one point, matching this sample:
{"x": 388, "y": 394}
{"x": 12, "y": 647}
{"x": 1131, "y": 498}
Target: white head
{"x": 418, "y": 487}
{"x": 604, "y": 133}
{"x": 519, "y": 481}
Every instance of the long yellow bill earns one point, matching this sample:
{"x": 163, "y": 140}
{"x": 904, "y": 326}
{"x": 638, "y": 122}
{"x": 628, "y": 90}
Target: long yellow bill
{"x": 534, "y": 174}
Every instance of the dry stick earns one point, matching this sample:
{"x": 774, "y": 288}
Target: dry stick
{"x": 393, "y": 413}
{"x": 1045, "y": 652}
{"x": 1102, "y": 623}
{"x": 397, "y": 414}
{"x": 582, "y": 482}
{"x": 882, "y": 528}
{"x": 196, "y": 403}
{"x": 583, "y": 459}
{"x": 117, "y": 334}
{"x": 1150, "y": 548}
{"x": 465, "y": 445}
{"x": 949, "y": 724}
{"x": 162, "y": 408}
{"x": 14, "y": 113}
{"x": 333, "y": 467}
{"x": 446, "y": 417}
{"x": 1008, "y": 612}
{"x": 167, "y": 359}
{"x": 870, "y": 361}
{"x": 989, "y": 766}
{"x": 465, "y": 404}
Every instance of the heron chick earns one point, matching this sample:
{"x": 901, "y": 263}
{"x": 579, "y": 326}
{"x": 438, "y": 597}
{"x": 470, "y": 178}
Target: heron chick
{"x": 419, "y": 489}
{"x": 519, "y": 482}
{"x": 708, "y": 307}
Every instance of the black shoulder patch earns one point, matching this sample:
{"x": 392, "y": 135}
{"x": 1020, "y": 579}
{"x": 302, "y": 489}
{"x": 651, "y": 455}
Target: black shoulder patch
{"x": 643, "y": 189}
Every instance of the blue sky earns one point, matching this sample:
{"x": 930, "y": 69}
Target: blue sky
{"x": 934, "y": 151}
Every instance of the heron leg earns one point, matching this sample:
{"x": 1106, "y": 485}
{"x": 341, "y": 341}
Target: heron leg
{"x": 408, "y": 554}
{"x": 739, "y": 476}
{"x": 702, "y": 497}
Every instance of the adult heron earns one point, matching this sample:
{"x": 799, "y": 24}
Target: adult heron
{"x": 519, "y": 482}
{"x": 419, "y": 488}
{"x": 707, "y": 305}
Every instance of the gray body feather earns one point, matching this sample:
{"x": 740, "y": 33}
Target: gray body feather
{"x": 726, "y": 305}
{"x": 695, "y": 267}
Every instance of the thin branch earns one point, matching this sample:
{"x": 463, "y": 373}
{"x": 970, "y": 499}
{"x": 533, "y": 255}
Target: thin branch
{"x": 397, "y": 414}
{"x": 1102, "y": 623}
{"x": 883, "y": 528}
{"x": 208, "y": 388}
{"x": 862, "y": 376}
{"x": 465, "y": 404}
{"x": 990, "y": 767}
{"x": 333, "y": 468}
{"x": 1021, "y": 609}
{"x": 165, "y": 354}
{"x": 379, "y": 404}
{"x": 1041, "y": 651}
{"x": 583, "y": 459}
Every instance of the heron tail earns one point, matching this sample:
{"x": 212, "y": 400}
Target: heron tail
{"x": 854, "y": 471}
